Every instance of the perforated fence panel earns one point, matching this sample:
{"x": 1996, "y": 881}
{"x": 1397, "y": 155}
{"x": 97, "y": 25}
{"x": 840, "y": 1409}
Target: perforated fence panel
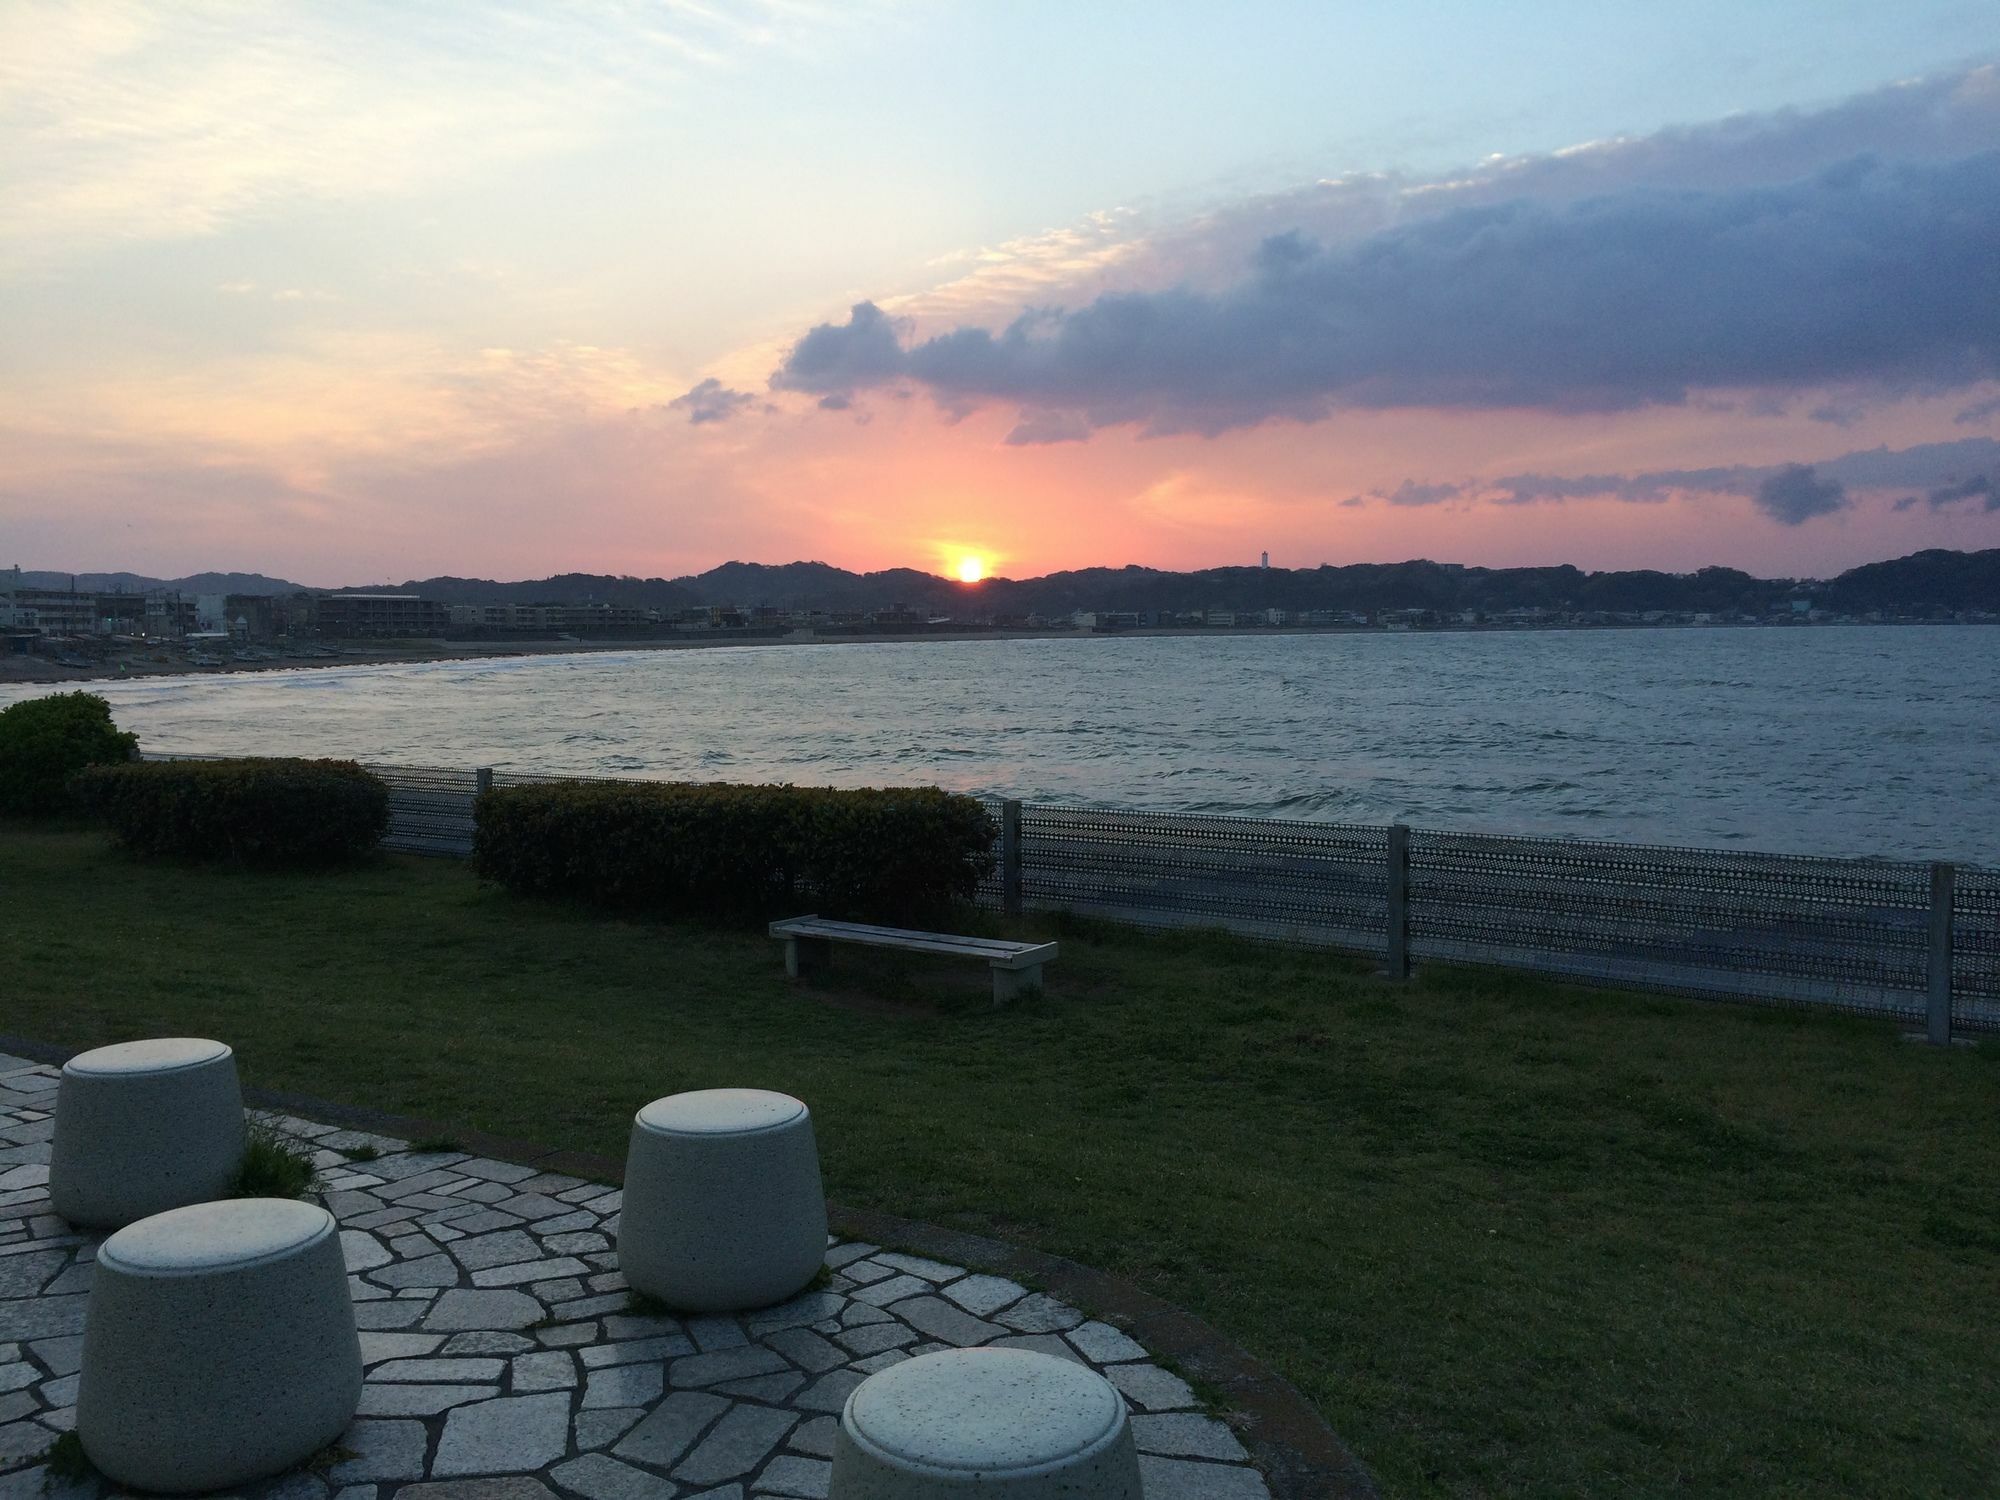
{"x": 990, "y": 896}
{"x": 534, "y": 778}
{"x": 430, "y": 810}
{"x": 1852, "y": 934}
{"x": 1975, "y": 951}
{"x": 1847, "y": 933}
{"x": 1300, "y": 882}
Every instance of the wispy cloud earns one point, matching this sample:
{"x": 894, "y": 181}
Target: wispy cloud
{"x": 125, "y": 120}
{"x": 329, "y": 397}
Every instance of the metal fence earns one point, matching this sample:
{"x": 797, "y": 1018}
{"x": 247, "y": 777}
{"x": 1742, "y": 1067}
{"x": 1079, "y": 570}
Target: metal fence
{"x": 1850, "y": 933}
{"x": 1898, "y": 939}
{"x": 1853, "y": 934}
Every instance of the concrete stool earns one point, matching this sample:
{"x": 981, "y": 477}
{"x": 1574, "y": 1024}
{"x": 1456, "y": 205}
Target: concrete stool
{"x": 143, "y": 1127}
{"x": 999, "y": 1422}
{"x": 219, "y": 1346}
{"x": 723, "y": 1207}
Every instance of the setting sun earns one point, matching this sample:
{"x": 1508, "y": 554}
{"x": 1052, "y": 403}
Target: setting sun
{"x": 971, "y": 569}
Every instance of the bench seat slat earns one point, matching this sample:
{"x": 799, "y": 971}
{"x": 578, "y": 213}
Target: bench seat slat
{"x": 998, "y": 952}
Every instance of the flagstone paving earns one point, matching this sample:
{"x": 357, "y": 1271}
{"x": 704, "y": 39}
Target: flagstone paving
{"x": 504, "y": 1361}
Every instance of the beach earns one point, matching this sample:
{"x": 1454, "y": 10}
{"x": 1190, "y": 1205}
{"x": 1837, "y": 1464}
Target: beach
{"x": 158, "y": 659}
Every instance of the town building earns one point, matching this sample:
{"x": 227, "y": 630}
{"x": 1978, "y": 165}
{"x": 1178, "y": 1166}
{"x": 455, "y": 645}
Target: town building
{"x": 348, "y": 616}
{"x": 59, "y": 611}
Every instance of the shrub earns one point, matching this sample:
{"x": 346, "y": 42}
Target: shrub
{"x": 262, "y": 812}
{"x": 882, "y": 855}
{"x": 46, "y": 741}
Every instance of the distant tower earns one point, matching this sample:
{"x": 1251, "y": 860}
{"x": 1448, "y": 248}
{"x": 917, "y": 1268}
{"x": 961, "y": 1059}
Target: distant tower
{"x": 1264, "y": 561}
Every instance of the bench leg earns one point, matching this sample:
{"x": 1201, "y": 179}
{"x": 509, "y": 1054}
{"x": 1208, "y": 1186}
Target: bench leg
{"x": 807, "y": 958}
{"x": 1009, "y": 984}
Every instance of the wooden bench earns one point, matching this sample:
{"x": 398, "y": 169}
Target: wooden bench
{"x": 1017, "y": 967}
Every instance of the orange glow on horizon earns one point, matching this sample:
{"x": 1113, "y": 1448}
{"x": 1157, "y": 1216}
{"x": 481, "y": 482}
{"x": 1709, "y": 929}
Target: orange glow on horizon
{"x": 971, "y": 569}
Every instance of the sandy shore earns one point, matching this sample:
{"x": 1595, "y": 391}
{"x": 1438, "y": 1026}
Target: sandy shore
{"x": 159, "y": 661}
{"x": 154, "y": 661}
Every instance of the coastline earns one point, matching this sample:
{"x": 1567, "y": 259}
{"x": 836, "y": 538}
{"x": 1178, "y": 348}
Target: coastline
{"x": 153, "y": 661}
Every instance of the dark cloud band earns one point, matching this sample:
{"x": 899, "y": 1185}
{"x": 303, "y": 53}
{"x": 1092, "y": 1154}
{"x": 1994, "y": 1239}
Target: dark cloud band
{"x": 1791, "y": 493}
{"x": 1869, "y": 273}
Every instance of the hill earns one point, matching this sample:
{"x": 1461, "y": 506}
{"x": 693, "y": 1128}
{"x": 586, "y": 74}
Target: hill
{"x": 139, "y": 583}
{"x": 1935, "y": 579}
{"x": 1932, "y": 580}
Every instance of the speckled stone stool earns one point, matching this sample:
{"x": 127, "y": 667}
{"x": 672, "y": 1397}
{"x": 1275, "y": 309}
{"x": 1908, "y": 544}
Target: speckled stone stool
{"x": 723, "y": 1207}
{"x": 219, "y": 1347}
{"x": 994, "y": 1422}
{"x": 143, "y": 1127}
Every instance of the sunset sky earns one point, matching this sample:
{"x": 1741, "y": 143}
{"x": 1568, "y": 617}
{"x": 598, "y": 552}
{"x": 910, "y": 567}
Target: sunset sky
{"x": 361, "y": 292}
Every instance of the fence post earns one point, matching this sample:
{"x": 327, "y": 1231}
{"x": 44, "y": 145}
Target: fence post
{"x": 1396, "y": 959}
{"x": 1010, "y": 857}
{"x": 1943, "y": 883}
{"x": 482, "y": 780}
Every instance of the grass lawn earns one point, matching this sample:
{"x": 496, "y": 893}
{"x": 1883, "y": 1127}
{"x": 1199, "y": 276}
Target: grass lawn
{"x": 1512, "y": 1238}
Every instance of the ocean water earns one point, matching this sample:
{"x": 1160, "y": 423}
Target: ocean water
{"x": 1850, "y": 741}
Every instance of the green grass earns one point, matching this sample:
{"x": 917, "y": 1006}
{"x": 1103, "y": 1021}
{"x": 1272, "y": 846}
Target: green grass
{"x": 273, "y": 1168}
{"x": 1512, "y": 1238}
{"x": 67, "y": 1462}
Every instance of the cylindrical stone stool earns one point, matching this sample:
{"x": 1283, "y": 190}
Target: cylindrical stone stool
{"x": 219, "y": 1346}
{"x": 723, "y": 1207}
{"x": 992, "y": 1422}
{"x": 143, "y": 1127}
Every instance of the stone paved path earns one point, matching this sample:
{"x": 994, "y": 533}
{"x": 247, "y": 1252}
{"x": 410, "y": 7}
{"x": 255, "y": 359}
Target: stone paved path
{"x": 504, "y": 1362}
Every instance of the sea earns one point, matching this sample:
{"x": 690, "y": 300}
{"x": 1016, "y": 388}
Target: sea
{"x": 1850, "y": 741}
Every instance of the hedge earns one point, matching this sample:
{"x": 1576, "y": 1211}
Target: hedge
{"x": 260, "y": 812}
{"x": 46, "y": 741}
{"x": 878, "y": 855}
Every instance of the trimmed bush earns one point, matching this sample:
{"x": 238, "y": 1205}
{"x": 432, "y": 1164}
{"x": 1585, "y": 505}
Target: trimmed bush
{"x": 260, "y": 812}
{"x": 46, "y": 741}
{"x": 879, "y": 855}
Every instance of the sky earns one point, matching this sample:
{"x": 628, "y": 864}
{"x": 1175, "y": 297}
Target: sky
{"x": 367, "y": 292}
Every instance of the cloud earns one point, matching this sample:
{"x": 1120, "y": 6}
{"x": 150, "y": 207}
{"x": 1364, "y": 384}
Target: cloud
{"x": 1979, "y": 487}
{"x": 711, "y": 401}
{"x": 1978, "y": 412}
{"x": 1639, "y": 489}
{"x": 1410, "y": 492}
{"x": 1869, "y": 273}
{"x": 865, "y": 351}
{"x": 1838, "y": 413}
{"x": 1926, "y": 464}
{"x": 1792, "y": 493}
{"x": 1048, "y": 427}
{"x": 1795, "y": 494}
{"x": 1950, "y": 115}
